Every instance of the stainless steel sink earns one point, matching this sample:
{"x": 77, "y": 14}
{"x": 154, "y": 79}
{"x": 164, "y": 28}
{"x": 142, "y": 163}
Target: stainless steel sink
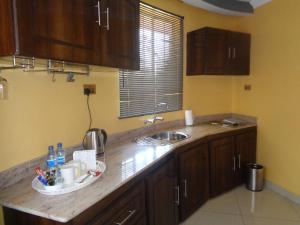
{"x": 163, "y": 138}
{"x": 170, "y": 136}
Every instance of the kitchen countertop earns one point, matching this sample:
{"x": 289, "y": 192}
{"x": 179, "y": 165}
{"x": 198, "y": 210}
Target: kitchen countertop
{"x": 124, "y": 160}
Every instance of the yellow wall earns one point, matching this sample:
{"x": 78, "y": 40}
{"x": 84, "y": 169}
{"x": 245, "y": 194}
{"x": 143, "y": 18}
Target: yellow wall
{"x": 39, "y": 112}
{"x": 275, "y": 79}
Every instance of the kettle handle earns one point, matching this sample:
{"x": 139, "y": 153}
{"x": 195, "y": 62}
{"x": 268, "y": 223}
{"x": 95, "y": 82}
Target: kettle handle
{"x": 83, "y": 141}
{"x": 104, "y": 136}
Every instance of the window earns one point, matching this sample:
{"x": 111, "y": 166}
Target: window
{"x": 157, "y": 87}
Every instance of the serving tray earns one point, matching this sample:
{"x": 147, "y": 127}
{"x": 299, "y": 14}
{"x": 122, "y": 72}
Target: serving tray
{"x": 64, "y": 189}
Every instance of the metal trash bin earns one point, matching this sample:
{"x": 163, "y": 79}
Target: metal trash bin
{"x": 255, "y": 177}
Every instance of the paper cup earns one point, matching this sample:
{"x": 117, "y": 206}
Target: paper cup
{"x": 68, "y": 174}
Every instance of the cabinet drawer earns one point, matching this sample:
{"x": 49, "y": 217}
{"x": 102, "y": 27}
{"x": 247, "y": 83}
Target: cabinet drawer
{"x": 127, "y": 210}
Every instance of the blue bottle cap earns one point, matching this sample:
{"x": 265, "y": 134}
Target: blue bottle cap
{"x": 51, "y": 148}
{"x": 59, "y": 145}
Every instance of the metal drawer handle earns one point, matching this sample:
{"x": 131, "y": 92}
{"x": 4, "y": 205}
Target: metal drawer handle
{"x": 107, "y": 19}
{"x": 234, "y": 164}
{"x": 131, "y": 214}
{"x": 185, "y": 188}
{"x": 239, "y": 157}
{"x": 229, "y": 53}
{"x": 177, "y": 202}
{"x": 234, "y": 55}
{"x": 98, "y": 6}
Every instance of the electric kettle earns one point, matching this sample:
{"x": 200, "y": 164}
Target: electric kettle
{"x": 95, "y": 139}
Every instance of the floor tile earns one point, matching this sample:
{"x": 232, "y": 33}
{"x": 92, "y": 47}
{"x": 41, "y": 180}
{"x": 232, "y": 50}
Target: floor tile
{"x": 226, "y": 203}
{"x": 265, "y": 204}
{"x": 262, "y": 221}
{"x": 207, "y": 218}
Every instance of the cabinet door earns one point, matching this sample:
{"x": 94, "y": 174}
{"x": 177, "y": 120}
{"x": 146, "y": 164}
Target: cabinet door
{"x": 162, "y": 196}
{"x": 6, "y": 28}
{"x": 239, "y": 44}
{"x": 223, "y": 165}
{"x": 129, "y": 209}
{"x": 122, "y": 34}
{"x": 216, "y": 51}
{"x": 195, "y": 49}
{"x": 194, "y": 179}
{"x": 245, "y": 153}
{"x": 56, "y": 29}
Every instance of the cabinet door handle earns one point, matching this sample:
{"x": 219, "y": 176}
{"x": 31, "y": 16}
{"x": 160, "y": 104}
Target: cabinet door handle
{"x": 177, "y": 201}
{"x": 234, "y": 164}
{"x": 234, "y": 51}
{"x": 131, "y": 214}
{"x": 239, "y": 158}
{"x": 229, "y": 53}
{"x": 98, "y": 6}
{"x": 185, "y": 188}
{"x": 107, "y": 19}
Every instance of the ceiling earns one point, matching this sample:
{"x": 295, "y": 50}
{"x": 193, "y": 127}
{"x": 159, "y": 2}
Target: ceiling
{"x": 229, "y": 7}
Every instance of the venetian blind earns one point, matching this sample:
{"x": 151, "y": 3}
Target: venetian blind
{"x": 159, "y": 80}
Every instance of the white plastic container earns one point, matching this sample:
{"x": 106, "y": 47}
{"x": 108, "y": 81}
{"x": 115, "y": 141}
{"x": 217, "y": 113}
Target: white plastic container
{"x": 189, "y": 119}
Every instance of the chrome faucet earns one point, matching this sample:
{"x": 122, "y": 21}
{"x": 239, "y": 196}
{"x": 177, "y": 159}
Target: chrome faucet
{"x": 156, "y": 118}
{"x": 153, "y": 120}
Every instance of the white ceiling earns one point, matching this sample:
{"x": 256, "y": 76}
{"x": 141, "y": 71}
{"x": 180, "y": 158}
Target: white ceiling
{"x": 213, "y": 8}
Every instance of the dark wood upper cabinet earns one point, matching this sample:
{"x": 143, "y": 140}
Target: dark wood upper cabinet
{"x": 123, "y": 33}
{"x": 239, "y": 49}
{"x": 212, "y": 51}
{"x": 7, "y": 44}
{"x": 55, "y": 29}
{"x": 162, "y": 195}
{"x": 194, "y": 179}
{"x": 92, "y": 32}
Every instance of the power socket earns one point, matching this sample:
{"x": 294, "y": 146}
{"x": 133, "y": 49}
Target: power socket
{"x": 89, "y": 89}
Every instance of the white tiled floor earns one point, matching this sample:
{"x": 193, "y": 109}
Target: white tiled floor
{"x": 243, "y": 207}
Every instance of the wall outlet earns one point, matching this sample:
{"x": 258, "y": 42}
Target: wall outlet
{"x": 247, "y": 87}
{"x": 89, "y": 89}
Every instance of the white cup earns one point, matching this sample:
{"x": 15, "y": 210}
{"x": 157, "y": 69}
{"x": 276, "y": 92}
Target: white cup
{"x": 68, "y": 174}
{"x": 79, "y": 167}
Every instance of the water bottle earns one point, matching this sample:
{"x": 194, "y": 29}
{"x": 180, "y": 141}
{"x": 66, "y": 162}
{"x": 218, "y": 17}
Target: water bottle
{"x": 60, "y": 155}
{"x": 60, "y": 159}
{"x": 51, "y": 158}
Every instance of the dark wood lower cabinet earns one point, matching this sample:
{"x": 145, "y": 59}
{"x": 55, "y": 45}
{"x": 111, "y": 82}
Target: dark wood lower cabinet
{"x": 172, "y": 189}
{"x": 245, "y": 152}
{"x": 162, "y": 195}
{"x": 222, "y": 165}
{"x": 229, "y": 157}
{"x": 194, "y": 179}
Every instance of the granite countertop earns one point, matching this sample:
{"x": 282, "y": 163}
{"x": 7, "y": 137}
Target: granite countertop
{"x": 124, "y": 160}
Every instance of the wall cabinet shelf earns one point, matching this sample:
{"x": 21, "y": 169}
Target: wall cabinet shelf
{"x": 89, "y": 32}
{"x": 212, "y": 51}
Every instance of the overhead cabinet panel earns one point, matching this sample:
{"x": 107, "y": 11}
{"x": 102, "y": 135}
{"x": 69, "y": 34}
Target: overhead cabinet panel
{"x": 54, "y": 29}
{"x": 82, "y": 31}
{"x": 212, "y": 51}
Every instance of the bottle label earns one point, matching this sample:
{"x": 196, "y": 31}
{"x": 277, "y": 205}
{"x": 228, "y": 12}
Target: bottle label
{"x": 60, "y": 160}
{"x": 51, "y": 163}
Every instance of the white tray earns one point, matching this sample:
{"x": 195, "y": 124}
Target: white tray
{"x": 64, "y": 189}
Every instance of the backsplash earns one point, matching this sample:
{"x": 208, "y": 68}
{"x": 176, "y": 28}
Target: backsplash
{"x": 17, "y": 173}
